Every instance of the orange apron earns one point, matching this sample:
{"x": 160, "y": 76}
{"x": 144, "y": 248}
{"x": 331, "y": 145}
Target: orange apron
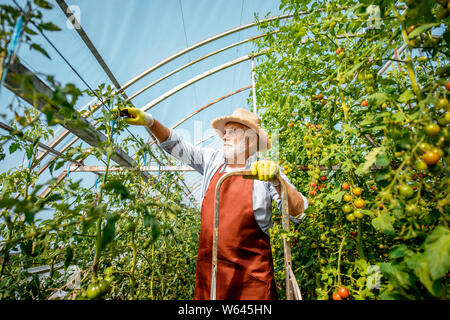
{"x": 244, "y": 257}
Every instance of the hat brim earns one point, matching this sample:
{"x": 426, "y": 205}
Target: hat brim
{"x": 219, "y": 125}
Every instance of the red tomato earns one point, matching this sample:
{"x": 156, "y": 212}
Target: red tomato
{"x": 323, "y": 178}
{"x": 345, "y": 186}
{"x": 336, "y": 296}
{"x": 343, "y": 292}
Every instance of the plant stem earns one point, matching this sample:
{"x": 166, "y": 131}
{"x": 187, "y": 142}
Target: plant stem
{"x": 359, "y": 243}
{"x": 133, "y": 265}
{"x": 98, "y": 242}
{"x": 339, "y": 261}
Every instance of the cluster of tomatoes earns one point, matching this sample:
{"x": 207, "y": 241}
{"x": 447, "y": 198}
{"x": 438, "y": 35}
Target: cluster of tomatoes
{"x": 312, "y": 190}
{"x": 342, "y": 293}
{"x": 353, "y": 212}
{"x": 430, "y": 154}
{"x": 97, "y": 289}
{"x": 320, "y": 97}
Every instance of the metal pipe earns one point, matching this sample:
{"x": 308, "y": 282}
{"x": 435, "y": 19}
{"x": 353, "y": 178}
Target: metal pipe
{"x": 253, "y": 87}
{"x": 194, "y": 80}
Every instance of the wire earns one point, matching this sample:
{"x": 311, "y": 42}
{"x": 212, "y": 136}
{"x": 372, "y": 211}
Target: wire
{"x": 237, "y": 51}
{"x": 189, "y": 55}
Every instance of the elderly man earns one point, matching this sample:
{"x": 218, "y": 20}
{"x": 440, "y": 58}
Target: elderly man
{"x": 245, "y": 267}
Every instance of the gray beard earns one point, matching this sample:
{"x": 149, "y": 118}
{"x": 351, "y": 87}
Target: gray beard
{"x": 235, "y": 151}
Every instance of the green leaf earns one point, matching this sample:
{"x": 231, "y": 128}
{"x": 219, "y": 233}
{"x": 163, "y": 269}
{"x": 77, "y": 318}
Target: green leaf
{"x": 400, "y": 252}
{"x": 156, "y": 230}
{"x": 37, "y": 47}
{"x": 419, "y": 30}
{"x": 13, "y": 147}
{"x": 437, "y": 252}
{"x": 116, "y": 186}
{"x": 383, "y": 223}
{"x": 383, "y": 175}
{"x": 59, "y": 164}
{"x": 109, "y": 230}
{"x": 43, "y": 4}
{"x": 370, "y": 159}
{"x": 397, "y": 274}
{"x": 53, "y": 198}
{"x": 406, "y": 96}
{"x": 148, "y": 220}
{"x": 49, "y": 26}
{"x": 379, "y": 97}
{"x": 68, "y": 256}
{"x": 420, "y": 266}
{"x": 151, "y": 221}
{"x": 336, "y": 196}
{"x": 382, "y": 160}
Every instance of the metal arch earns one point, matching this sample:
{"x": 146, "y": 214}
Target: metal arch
{"x": 194, "y": 62}
{"x": 193, "y": 80}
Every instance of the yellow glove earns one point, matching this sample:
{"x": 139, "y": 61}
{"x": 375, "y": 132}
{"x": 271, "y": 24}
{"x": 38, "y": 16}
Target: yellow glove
{"x": 265, "y": 169}
{"x": 136, "y": 117}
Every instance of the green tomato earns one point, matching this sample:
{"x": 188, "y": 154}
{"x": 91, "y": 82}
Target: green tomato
{"x": 406, "y": 191}
{"x": 103, "y": 286}
{"x": 93, "y": 291}
{"x": 421, "y": 165}
{"x": 432, "y": 129}
{"x": 358, "y": 214}
{"x": 350, "y": 217}
{"x": 347, "y": 208}
{"x": 109, "y": 271}
{"x": 411, "y": 209}
{"x": 109, "y": 279}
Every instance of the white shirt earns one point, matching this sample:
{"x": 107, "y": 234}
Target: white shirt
{"x": 207, "y": 161}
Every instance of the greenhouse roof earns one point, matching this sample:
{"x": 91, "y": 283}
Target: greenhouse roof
{"x": 120, "y": 40}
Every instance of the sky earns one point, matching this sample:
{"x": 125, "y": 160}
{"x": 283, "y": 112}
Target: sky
{"x": 134, "y": 35}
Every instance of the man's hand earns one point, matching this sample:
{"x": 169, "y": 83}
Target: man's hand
{"x": 136, "y": 117}
{"x": 265, "y": 169}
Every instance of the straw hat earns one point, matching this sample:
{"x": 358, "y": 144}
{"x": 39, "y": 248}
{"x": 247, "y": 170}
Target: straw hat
{"x": 246, "y": 118}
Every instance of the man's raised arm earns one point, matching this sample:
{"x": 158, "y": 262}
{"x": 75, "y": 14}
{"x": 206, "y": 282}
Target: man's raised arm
{"x": 168, "y": 139}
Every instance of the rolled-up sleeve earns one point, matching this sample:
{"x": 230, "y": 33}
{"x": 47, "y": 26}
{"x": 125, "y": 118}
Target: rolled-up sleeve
{"x": 193, "y": 156}
{"x": 274, "y": 195}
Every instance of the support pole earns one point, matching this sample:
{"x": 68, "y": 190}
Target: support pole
{"x": 253, "y": 87}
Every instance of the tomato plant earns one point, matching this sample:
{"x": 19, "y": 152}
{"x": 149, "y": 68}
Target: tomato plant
{"x": 125, "y": 237}
{"x": 383, "y": 144}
